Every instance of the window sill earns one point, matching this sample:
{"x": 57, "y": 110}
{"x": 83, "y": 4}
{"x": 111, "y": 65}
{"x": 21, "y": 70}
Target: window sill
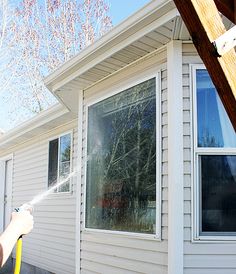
{"x": 214, "y": 239}
{"x": 121, "y": 234}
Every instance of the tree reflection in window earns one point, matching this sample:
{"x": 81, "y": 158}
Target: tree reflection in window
{"x": 218, "y": 187}
{"x": 121, "y": 162}
{"x": 59, "y": 163}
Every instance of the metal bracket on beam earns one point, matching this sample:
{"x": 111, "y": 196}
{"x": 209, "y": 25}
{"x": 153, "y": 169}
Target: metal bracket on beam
{"x": 225, "y": 42}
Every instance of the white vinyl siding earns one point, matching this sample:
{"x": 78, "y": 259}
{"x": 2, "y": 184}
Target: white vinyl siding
{"x": 199, "y": 258}
{"x": 51, "y": 244}
{"x": 164, "y": 159}
{"x": 112, "y": 253}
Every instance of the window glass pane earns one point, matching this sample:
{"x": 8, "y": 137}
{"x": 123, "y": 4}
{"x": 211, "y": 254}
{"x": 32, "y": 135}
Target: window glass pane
{"x": 53, "y": 162}
{"x": 64, "y": 161}
{"x": 214, "y": 126}
{"x": 218, "y": 188}
{"x": 121, "y": 161}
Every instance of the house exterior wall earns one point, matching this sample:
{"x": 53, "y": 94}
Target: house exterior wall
{"x": 199, "y": 257}
{"x": 103, "y": 252}
{"x": 51, "y": 244}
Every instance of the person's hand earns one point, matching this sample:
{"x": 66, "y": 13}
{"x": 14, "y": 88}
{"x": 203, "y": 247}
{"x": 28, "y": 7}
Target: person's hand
{"x": 21, "y": 224}
{"x": 23, "y": 221}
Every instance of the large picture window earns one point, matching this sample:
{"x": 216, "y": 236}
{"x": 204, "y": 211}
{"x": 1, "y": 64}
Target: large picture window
{"x": 215, "y": 158}
{"x": 59, "y": 164}
{"x": 121, "y": 161}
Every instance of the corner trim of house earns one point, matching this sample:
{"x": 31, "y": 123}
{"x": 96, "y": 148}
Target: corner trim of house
{"x": 175, "y": 157}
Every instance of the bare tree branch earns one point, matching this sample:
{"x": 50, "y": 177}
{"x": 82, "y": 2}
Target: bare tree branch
{"x": 38, "y": 36}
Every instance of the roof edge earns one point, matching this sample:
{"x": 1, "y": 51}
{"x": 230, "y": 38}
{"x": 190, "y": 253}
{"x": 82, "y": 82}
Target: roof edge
{"x": 43, "y": 117}
{"x": 110, "y": 36}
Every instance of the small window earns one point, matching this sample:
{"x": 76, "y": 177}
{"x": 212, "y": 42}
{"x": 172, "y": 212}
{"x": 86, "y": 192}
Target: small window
{"x": 215, "y": 161}
{"x": 121, "y": 161}
{"x": 59, "y": 166}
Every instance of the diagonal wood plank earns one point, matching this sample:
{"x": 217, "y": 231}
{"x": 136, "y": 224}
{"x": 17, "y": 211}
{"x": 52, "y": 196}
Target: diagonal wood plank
{"x": 205, "y": 25}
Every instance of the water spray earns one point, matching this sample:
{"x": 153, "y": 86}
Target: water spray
{"x": 29, "y": 206}
{"x": 43, "y": 195}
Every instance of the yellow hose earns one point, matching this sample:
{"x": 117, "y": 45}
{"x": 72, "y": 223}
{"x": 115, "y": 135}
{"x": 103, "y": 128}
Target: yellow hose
{"x": 18, "y": 255}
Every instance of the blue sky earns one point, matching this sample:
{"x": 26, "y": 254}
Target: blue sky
{"x": 119, "y": 11}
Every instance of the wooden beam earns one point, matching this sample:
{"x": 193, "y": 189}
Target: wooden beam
{"x": 228, "y": 8}
{"x": 205, "y": 25}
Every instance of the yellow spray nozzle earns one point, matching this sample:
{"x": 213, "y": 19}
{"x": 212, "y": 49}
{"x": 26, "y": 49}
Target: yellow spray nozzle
{"x": 19, "y": 241}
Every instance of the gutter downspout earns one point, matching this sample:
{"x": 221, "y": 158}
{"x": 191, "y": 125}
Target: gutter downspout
{"x": 78, "y": 184}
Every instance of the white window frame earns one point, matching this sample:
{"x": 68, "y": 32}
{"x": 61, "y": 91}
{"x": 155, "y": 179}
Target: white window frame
{"x": 58, "y": 161}
{"x": 196, "y": 154}
{"x": 157, "y": 235}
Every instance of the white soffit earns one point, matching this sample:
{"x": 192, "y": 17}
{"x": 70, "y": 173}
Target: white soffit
{"x": 144, "y": 32}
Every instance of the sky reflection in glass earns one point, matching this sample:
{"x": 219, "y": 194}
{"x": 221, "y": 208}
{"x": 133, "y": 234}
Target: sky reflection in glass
{"x": 214, "y": 126}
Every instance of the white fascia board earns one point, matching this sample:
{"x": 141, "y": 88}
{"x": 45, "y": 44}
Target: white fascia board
{"x": 120, "y": 36}
{"x": 34, "y": 123}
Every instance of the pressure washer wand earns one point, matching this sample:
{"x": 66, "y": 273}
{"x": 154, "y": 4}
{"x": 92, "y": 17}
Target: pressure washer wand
{"x": 19, "y": 241}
